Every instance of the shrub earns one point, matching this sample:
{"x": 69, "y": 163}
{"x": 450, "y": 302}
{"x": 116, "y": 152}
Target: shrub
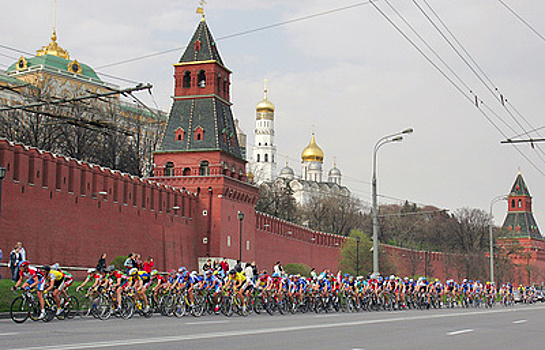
{"x": 297, "y": 269}
{"x": 119, "y": 261}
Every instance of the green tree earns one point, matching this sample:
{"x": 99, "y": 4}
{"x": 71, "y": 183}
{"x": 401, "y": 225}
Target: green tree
{"x": 349, "y": 258}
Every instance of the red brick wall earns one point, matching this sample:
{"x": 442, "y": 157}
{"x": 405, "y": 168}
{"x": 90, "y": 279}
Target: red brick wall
{"x": 71, "y": 212}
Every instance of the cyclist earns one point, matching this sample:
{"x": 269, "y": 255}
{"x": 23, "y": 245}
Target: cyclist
{"x": 28, "y": 276}
{"x": 140, "y": 281}
{"x": 56, "y": 281}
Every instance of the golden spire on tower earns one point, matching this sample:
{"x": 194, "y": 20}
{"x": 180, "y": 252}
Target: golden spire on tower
{"x": 53, "y": 48}
{"x": 200, "y": 9}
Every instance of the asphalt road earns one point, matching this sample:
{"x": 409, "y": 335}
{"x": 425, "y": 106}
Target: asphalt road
{"x": 519, "y": 327}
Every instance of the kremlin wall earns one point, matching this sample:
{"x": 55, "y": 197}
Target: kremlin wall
{"x": 71, "y": 212}
{"x": 68, "y": 211}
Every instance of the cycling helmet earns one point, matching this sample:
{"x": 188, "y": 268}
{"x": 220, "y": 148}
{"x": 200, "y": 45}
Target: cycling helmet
{"x": 172, "y": 272}
{"x": 24, "y": 263}
{"x": 181, "y": 269}
{"x": 276, "y": 274}
{"x": 110, "y": 268}
{"x": 90, "y": 271}
{"x": 208, "y": 272}
{"x": 392, "y": 277}
{"x": 154, "y": 272}
{"x": 133, "y": 271}
{"x": 55, "y": 266}
{"x": 232, "y": 272}
{"x": 46, "y": 268}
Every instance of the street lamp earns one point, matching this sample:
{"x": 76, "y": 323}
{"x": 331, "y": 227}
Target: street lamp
{"x": 240, "y": 219}
{"x": 357, "y": 256}
{"x": 381, "y": 142}
{"x": 2, "y": 176}
{"x": 491, "y": 235}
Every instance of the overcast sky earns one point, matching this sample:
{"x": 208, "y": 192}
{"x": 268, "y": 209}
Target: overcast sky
{"x": 348, "y": 73}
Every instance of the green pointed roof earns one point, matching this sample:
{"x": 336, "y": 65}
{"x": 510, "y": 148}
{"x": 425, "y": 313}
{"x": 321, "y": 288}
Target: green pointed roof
{"x": 202, "y": 46}
{"x": 519, "y": 187}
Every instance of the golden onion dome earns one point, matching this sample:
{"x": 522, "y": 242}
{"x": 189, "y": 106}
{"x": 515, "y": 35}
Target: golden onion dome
{"x": 312, "y": 152}
{"x": 265, "y": 105}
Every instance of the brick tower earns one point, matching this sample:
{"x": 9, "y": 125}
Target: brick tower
{"x": 200, "y": 152}
{"x": 520, "y": 221}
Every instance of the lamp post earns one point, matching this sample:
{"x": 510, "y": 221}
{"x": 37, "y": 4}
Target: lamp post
{"x": 491, "y": 234}
{"x": 381, "y": 142}
{"x": 357, "y": 256}
{"x": 240, "y": 219}
{"x": 2, "y": 175}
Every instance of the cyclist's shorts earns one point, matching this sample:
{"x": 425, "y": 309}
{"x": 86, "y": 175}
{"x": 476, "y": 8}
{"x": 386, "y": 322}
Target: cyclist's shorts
{"x": 31, "y": 281}
{"x": 42, "y": 283}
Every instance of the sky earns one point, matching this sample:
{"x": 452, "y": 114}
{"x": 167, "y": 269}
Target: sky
{"x": 347, "y": 74}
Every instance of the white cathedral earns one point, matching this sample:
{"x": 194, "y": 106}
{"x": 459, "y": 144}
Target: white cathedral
{"x": 263, "y": 162}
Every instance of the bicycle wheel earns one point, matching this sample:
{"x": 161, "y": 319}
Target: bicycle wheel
{"x": 104, "y": 311}
{"x": 20, "y": 310}
{"x": 198, "y": 306}
{"x": 85, "y": 309}
{"x": 179, "y": 307}
{"x": 227, "y": 306}
{"x": 71, "y": 307}
{"x": 127, "y": 307}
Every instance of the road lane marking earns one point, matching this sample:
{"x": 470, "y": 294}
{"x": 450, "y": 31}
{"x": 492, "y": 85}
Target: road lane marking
{"x": 238, "y": 333}
{"x": 519, "y": 321}
{"x": 463, "y": 331}
{"x": 330, "y": 315}
{"x": 206, "y": 322}
{"x": 9, "y": 333}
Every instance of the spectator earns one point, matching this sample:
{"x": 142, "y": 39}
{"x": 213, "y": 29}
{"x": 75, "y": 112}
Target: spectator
{"x": 207, "y": 265}
{"x": 249, "y": 271}
{"x": 101, "y": 265}
{"x": 136, "y": 261}
{"x": 129, "y": 264}
{"x": 224, "y": 266}
{"x": 278, "y": 268}
{"x": 22, "y": 251}
{"x": 216, "y": 265}
{"x": 148, "y": 264}
{"x": 14, "y": 260}
{"x": 255, "y": 271}
{"x": 313, "y": 273}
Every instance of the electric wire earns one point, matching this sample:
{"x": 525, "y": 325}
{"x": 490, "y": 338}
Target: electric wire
{"x": 245, "y": 32}
{"x": 522, "y": 20}
{"x": 449, "y": 79}
{"x": 494, "y": 91}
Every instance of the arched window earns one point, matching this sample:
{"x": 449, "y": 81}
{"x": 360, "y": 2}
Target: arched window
{"x": 258, "y": 158}
{"x": 204, "y": 169}
{"x": 520, "y": 203}
{"x": 266, "y": 157}
{"x": 169, "y": 169}
{"x": 187, "y": 79}
{"x": 512, "y": 203}
{"x": 201, "y": 78}
{"x": 199, "y": 133}
{"x": 187, "y": 172}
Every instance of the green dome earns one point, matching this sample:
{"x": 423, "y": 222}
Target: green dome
{"x": 56, "y": 62}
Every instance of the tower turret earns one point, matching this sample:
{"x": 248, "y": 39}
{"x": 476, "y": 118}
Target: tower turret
{"x": 520, "y": 220}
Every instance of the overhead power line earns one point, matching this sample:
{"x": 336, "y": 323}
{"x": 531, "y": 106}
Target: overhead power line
{"x": 245, "y": 32}
{"x": 473, "y": 99}
{"x": 62, "y": 101}
{"x": 522, "y": 20}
